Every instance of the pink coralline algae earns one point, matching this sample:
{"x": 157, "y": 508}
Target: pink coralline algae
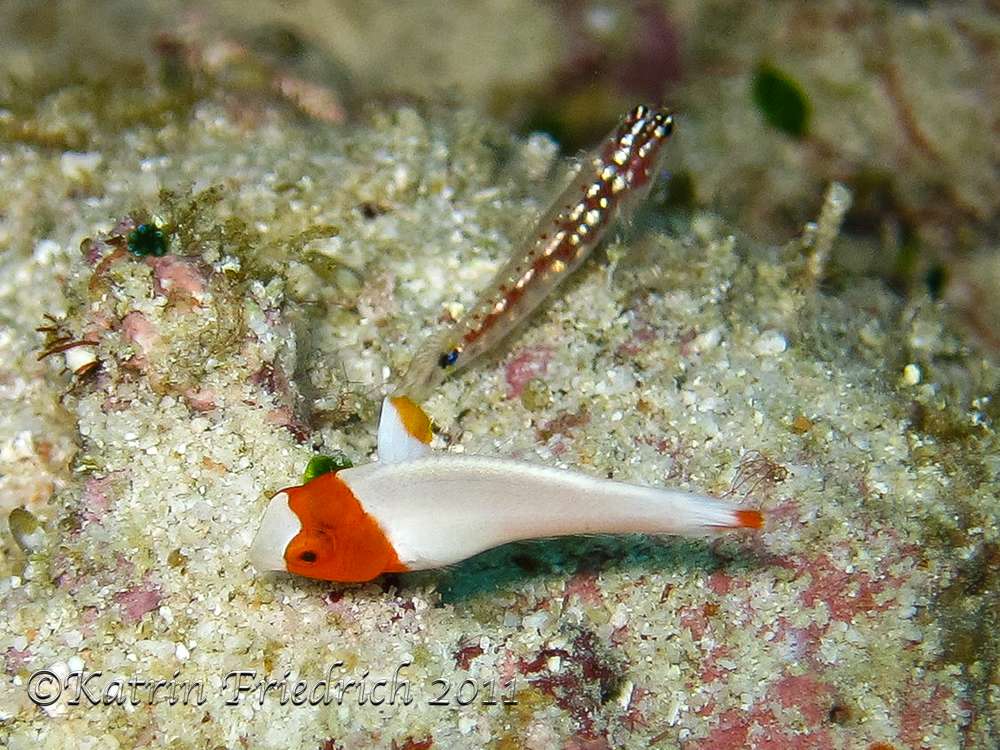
{"x": 729, "y": 733}
{"x": 525, "y": 367}
{"x": 284, "y": 416}
{"x": 921, "y": 711}
{"x": 136, "y": 602}
{"x": 94, "y": 250}
{"x": 65, "y": 576}
{"x": 845, "y": 594}
{"x": 721, "y": 582}
{"x": 794, "y": 711}
{"x": 760, "y": 728}
{"x": 637, "y": 712}
{"x": 15, "y": 660}
{"x": 95, "y": 498}
{"x": 584, "y": 586}
{"x": 585, "y": 681}
{"x": 201, "y": 399}
{"x": 767, "y": 725}
{"x": 466, "y": 652}
{"x": 711, "y": 670}
{"x": 139, "y": 331}
{"x": 807, "y": 694}
{"x": 177, "y": 277}
{"x": 637, "y": 341}
{"x": 274, "y": 382}
{"x": 412, "y": 744}
{"x": 564, "y": 424}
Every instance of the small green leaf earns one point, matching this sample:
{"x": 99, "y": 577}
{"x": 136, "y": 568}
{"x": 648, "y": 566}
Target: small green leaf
{"x": 319, "y": 465}
{"x": 781, "y": 100}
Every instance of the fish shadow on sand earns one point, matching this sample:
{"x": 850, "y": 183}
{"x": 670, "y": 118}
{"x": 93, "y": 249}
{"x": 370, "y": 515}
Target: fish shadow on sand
{"x": 513, "y": 566}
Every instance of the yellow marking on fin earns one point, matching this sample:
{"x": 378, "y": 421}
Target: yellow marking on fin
{"x": 416, "y": 422}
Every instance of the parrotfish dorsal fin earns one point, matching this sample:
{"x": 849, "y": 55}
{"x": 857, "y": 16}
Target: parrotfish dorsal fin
{"x": 404, "y": 431}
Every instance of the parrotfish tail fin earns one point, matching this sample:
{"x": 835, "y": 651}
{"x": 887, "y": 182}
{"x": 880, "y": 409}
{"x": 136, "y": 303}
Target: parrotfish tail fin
{"x": 697, "y": 514}
{"x": 738, "y": 518}
{"x": 404, "y": 430}
{"x": 750, "y": 519}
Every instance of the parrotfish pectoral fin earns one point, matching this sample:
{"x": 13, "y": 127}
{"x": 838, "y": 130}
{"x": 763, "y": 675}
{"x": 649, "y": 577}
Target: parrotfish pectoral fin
{"x": 404, "y": 431}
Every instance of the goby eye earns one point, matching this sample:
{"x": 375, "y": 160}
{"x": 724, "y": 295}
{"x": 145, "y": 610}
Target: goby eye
{"x": 447, "y": 360}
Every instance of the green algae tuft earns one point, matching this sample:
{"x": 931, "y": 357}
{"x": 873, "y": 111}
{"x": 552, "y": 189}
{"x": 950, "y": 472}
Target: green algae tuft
{"x": 147, "y": 239}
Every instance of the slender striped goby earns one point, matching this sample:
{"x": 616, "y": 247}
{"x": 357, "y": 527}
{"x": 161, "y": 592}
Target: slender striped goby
{"x": 610, "y": 181}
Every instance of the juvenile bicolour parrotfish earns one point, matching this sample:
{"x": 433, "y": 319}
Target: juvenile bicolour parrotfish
{"x": 418, "y": 509}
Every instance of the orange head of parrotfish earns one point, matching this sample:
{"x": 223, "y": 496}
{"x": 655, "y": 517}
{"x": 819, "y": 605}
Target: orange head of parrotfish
{"x": 320, "y": 530}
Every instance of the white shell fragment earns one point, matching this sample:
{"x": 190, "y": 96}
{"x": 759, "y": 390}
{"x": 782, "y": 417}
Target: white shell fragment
{"x": 26, "y": 530}
{"x": 79, "y": 359}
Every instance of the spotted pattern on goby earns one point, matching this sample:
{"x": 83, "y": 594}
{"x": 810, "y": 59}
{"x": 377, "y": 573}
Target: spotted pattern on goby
{"x": 612, "y": 178}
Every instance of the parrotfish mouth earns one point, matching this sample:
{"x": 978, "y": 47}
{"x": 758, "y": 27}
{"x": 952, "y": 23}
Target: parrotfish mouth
{"x": 277, "y": 529}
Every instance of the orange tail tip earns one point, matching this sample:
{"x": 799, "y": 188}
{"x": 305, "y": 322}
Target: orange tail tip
{"x": 749, "y": 519}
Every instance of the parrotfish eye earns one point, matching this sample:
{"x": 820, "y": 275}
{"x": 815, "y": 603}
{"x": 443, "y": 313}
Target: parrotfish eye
{"x": 311, "y": 551}
{"x": 447, "y": 360}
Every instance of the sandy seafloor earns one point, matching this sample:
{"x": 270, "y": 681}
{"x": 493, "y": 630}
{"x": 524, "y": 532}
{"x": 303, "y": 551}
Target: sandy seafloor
{"x": 307, "y": 258}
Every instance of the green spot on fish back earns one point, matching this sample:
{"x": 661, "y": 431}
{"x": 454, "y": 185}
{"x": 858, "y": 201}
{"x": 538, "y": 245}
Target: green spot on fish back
{"x": 319, "y": 465}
